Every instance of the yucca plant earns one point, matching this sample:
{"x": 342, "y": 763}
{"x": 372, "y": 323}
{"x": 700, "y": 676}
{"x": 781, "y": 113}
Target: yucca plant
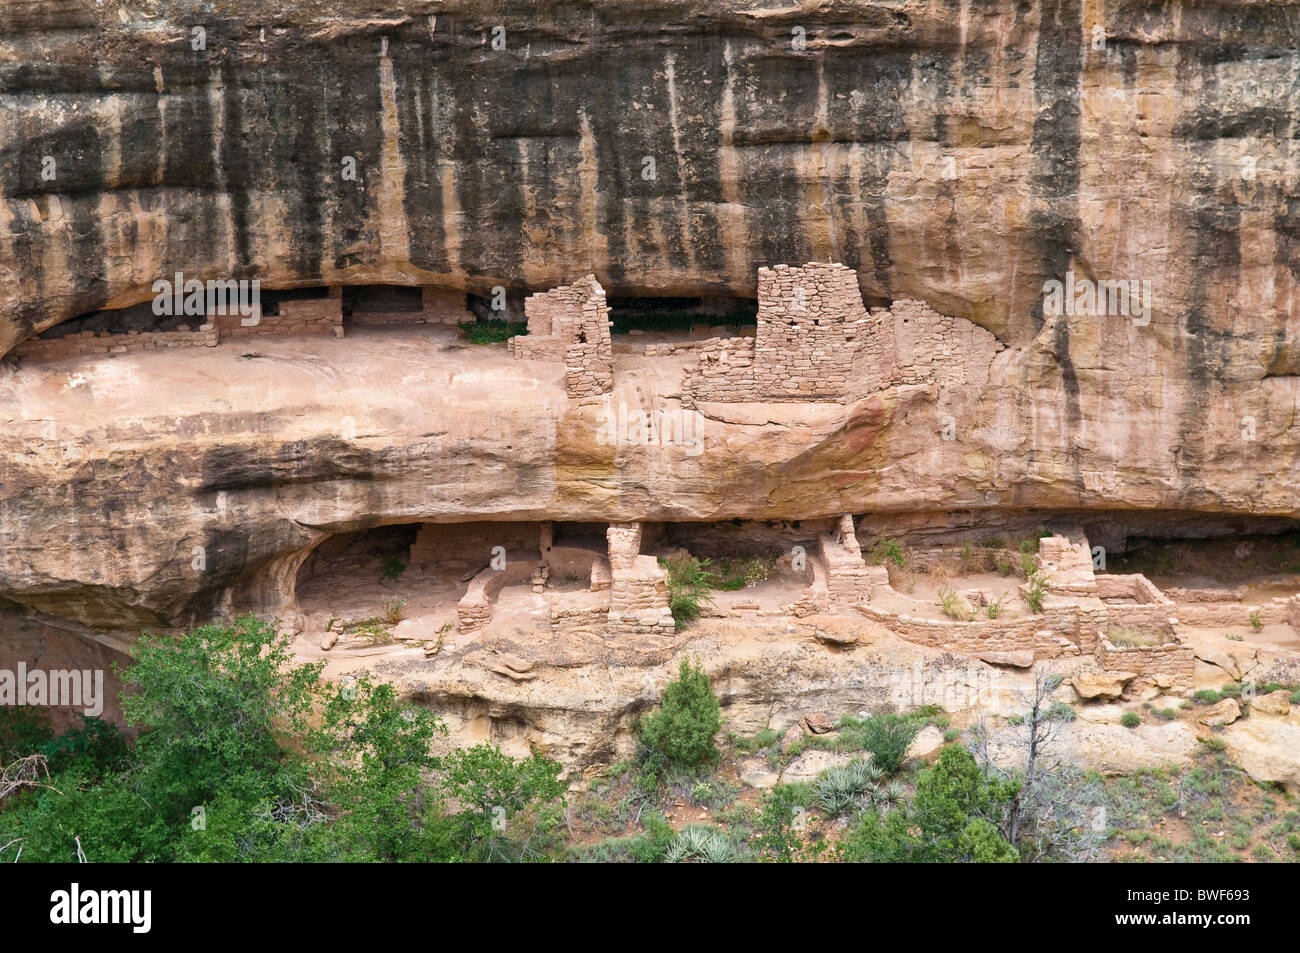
{"x": 849, "y": 787}
{"x": 699, "y": 844}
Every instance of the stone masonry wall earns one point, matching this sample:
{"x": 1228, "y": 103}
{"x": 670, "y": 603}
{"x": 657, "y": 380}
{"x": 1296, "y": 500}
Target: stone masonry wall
{"x": 304, "y": 316}
{"x": 570, "y": 324}
{"x": 811, "y": 323}
{"x": 922, "y": 346}
{"x": 90, "y": 343}
{"x": 638, "y": 595}
{"x": 1173, "y": 660}
{"x": 816, "y": 341}
{"x": 1051, "y": 634}
{"x": 849, "y": 580}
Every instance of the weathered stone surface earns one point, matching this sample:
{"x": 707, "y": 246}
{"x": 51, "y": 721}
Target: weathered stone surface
{"x": 811, "y": 763}
{"x": 925, "y": 746}
{"x": 817, "y": 723}
{"x": 1274, "y": 703}
{"x": 1090, "y": 683}
{"x": 1023, "y": 659}
{"x": 1223, "y": 712}
{"x": 1266, "y": 748}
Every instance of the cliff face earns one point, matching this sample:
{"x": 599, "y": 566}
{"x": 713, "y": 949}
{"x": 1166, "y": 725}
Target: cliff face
{"x": 957, "y": 153}
{"x": 962, "y": 154}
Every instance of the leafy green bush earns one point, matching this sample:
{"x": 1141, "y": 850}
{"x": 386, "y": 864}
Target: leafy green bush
{"x": 779, "y": 830}
{"x": 492, "y": 331}
{"x": 1255, "y": 622}
{"x": 392, "y": 571}
{"x": 886, "y": 737}
{"x": 1130, "y": 719}
{"x": 949, "y": 820}
{"x": 1035, "y": 590}
{"x": 244, "y": 755}
{"x": 1206, "y": 696}
{"x": 688, "y": 583}
{"x": 680, "y": 734}
{"x": 888, "y": 550}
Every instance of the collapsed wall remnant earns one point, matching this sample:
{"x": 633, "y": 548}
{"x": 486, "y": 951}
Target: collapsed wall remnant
{"x": 1168, "y": 664}
{"x": 570, "y": 324}
{"x": 816, "y": 341}
{"x": 811, "y": 325}
{"x": 297, "y": 316}
{"x": 849, "y": 580}
{"x": 1068, "y": 565}
{"x": 638, "y": 595}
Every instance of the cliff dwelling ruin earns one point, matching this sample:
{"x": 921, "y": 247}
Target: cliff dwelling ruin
{"x": 882, "y": 360}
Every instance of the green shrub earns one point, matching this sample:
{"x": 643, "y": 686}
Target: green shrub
{"x": 1130, "y": 719}
{"x": 392, "y": 570}
{"x": 1035, "y": 589}
{"x": 492, "y": 331}
{"x": 1206, "y": 696}
{"x": 1168, "y": 714}
{"x": 954, "y": 606}
{"x": 689, "y": 582}
{"x": 1255, "y": 622}
{"x": 994, "y": 608}
{"x": 888, "y": 550}
{"x": 887, "y": 737}
{"x": 680, "y": 734}
{"x": 951, "y": 735}
{"x": 947, "y": 821}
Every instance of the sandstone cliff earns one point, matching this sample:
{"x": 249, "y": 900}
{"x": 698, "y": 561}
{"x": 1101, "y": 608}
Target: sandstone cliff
{"x": 957, "y": 154}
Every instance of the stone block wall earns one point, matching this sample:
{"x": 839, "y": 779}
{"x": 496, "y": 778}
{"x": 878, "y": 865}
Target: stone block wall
{"x": 638, "y": 594}
{"x": 921, "y": 346}
{"x": 811, "y": 324}
{"x": 440, "y": 306}
{"x": 302, "y": 316}
{"x": 1173, "y": 660}
{"x": 474, "y": 610}
{"x": 1274, "y": 612}
{"x": 91, "y": 343}
{"x": 1135, "y": 587}
{"x": 1068, "y": 565}
{"x": 1050, "y": 634}
{"x": 570, "y": 324}
{"x": 849, "y": 580}
{"x": 816, "y": 341}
